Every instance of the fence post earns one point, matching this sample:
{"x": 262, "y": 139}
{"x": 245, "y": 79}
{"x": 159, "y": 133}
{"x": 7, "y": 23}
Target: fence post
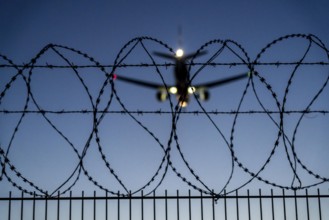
{"x": 307, "y": 205}
{"x": 9, "y": 207}
{"x": 154, "y": 206}
{"x": 22, "y": 205}
{"x": 106, "y": 206}
{"x": 284, "y": 205}
{"x": 248, "y": 197}
{"x": 58, "y": 204}
{"x": 46, "y": 206}
{"x": 166, "y": 204}
{"x": 260, "y": 204}
{"x": 237, "y": 204}
{"x": 118, "y": 205}
{"x": 296, "y": 206}
{"x": 33, "y": 207}
{"x": 129, "y": 205}
{"x": 142, "y": 205}
{"x": 189, "y": 205}
{"x": 225, "y": 205}
{"x": 213, "y": 205}
{"x": 70, "y": 206}
{"x": 82, "y": 205}
{"x": 201, "y": 203}
{"x": 272, "y": 204}
{"x": 94, "y": 205}
{"x": 319, "y": 202}
{"x": 177, "y": 205}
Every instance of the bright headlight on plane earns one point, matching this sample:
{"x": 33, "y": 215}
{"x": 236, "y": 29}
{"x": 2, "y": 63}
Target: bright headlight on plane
{"x": 191, "y": 89}
{"x": 173, "y": 90}
{"x": 179, "y": 53}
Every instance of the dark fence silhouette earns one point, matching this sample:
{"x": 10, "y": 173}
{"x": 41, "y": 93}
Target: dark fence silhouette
{"x": 283, "y": 205}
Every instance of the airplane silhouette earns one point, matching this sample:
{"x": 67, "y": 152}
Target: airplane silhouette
{"x": 182, "y": 88}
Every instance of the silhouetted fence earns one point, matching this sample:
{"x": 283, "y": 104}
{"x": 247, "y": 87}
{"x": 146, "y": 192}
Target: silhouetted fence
{"x": 279, "y": 205}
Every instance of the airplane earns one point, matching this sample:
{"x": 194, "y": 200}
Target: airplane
{"x": 182, "y": 88}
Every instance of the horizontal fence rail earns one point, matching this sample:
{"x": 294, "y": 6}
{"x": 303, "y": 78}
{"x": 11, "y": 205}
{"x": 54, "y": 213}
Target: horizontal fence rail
{"x": 274, "y": 205}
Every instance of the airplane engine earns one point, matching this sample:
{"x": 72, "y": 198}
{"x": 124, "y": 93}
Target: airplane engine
{"x": 162, "y": 96}
{"x": 203, "y": 95}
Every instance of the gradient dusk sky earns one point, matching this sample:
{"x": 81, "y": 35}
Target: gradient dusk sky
{"x": 100, "y": 29}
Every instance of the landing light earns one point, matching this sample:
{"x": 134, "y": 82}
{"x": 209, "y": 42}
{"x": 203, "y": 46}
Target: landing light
{"x": 179, "y": 53}
{"x": 191, "y": 90}
{"x": 173, "y": 90}
{"x": 183, "y": 104}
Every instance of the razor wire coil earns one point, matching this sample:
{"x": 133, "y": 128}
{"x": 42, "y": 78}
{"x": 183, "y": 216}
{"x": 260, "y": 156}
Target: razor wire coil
{"x": 99, "y": 112}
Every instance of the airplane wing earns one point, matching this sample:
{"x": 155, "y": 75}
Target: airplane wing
{"x": 165, "y": 55}
{"x": 222, "y": 81}
{"x": 139, "y": 82}
{"x": 189, "y": 56}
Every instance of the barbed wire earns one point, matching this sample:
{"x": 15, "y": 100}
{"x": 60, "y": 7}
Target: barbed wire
{"x": 101, "y": 106}
{"x": 214, "y": 64}
{"x": 160, "y": 112}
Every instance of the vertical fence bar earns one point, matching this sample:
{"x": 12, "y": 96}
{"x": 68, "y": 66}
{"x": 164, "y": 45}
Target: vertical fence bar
{"x": 319, "y": 202}
{"x": 260, "y": 204}
{"x": 118, "y": 205}
{"x": 154, "y": 208}
{"x": 106, "y": 206}
{"x": 9, "y": 206}
{"x": 33, "y": 207}
{"x": 94, "y": 205}
{"x": 166, "y": 204}
{"x": 46, "y": 206}
{"x": 142, "y": 205}
{"x": 248, "y": 199}
{"x": 177, "y": 205}
{"x": 130, "y": 205}
{"x": 58, "y": 200}
{"x": 189, "y": 205}
{"x": 284, "y": 205}
{"x": 22, "y": 205}
{"x": 296, "y": 207}
{"x": 70, "y": 206}
{"x": 237, "y": 204}
{"x": 201, "y": 203}
{"x": 225, "y": 205}
{"x": 82, "y": 204}
{"x": 213, "y": 205}
{"x": 307, "y": 205}
{"x": 272, "y": 204}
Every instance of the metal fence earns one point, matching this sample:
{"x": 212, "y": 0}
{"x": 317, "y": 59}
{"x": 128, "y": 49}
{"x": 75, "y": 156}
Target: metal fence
{"x": 271, "y": 205}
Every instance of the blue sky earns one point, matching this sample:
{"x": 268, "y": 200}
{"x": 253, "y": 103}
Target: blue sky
{"x": 100, "y": 29}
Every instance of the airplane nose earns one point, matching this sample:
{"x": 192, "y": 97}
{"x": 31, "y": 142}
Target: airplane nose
{"x": 179, "y": 53}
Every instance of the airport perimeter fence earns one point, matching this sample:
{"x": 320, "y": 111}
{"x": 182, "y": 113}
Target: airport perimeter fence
{"x": 274, "y": 74}
{"x": 259, "y": 205}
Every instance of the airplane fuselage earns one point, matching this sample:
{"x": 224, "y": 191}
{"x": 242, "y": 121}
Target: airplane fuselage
{"x": 182, "y": 79}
